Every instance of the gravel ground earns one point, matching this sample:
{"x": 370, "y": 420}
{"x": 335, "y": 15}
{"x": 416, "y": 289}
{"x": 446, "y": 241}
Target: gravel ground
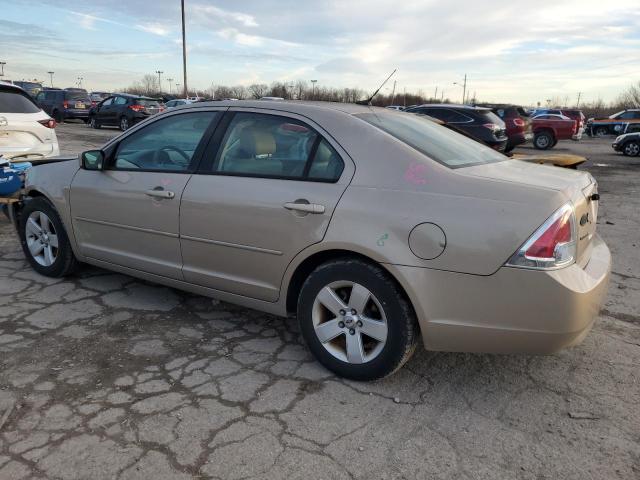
{"x": 106, "y": 376}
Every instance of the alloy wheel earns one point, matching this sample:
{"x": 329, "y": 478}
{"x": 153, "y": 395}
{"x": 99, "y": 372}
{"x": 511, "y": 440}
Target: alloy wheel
{"x": 601, "y": 132}
{"x": 124, "y": 123}
{"x": 632, "y": 149}
{"x": 41, "y": 238}
{"x": 349, "y": 322}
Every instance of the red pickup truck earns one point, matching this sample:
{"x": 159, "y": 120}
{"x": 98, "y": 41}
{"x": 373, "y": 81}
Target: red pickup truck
{"x": 549, "y": 128}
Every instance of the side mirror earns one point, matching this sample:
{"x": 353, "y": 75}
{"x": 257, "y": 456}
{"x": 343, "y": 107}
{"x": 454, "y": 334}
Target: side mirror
{"x": 92, "y": 160}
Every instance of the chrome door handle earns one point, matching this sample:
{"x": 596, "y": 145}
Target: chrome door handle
{"x": 160, "y": 193}
{"x": 304, "y": 207}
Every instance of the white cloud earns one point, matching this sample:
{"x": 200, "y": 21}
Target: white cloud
{"x": 154, "y": 28}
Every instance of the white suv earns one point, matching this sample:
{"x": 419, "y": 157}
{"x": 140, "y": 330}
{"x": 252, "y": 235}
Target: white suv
{"x": 25, "y": 130}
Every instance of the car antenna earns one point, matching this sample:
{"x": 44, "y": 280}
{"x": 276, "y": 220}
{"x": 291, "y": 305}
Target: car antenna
{"x": 368, "y": 100}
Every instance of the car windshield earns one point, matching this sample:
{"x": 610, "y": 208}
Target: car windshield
{"x": 16, "y": 102}
{"x": 436, "y": 142}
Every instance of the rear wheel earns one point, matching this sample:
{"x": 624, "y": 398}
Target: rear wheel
{"x": 631, "y": 149}
{"x": 543, "y": 141}
{"x": 356, "y": 320}
{"x": 124, "y": 123}
{"x": 44, "y": 240}
{"x": 601, "y": 132}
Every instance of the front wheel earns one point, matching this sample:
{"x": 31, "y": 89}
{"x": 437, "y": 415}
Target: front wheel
{"x": 601, "y": 132}
{"x": 124, "y": 124}
{"x": 44, "y": 240}
{"x": 543, "y": 141}
{"x": 356, "y": 320}
{"x": 93, "y": 123}
{"x": 631, "y": 149}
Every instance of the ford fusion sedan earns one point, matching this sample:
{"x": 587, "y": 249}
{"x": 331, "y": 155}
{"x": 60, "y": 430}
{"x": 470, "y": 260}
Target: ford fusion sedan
{"x": 376, "y": 228}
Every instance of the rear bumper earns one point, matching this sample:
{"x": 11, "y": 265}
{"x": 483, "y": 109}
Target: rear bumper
{"x": 512, "y": 311}
{"x": 76, "y": 113}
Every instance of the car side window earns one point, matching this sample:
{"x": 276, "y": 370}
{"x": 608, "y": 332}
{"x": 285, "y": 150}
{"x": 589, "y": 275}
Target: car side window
{"x": 108, "y": 101}
{"x": 326, "y": 163}
{"x": 457, "y": 117}
{"x": 120, "y": 101}
{"x": 263, "y": 145}
{"x": 167, "y": 145}
{"x": 439, "y": 113}
{"x": 40, "y": 97}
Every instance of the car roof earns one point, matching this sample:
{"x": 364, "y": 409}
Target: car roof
{"x": 129, "y": 95}
{"x": 10, "y": 86}
{"x": 292, "y": 106}
{"x": 454, "y": 105}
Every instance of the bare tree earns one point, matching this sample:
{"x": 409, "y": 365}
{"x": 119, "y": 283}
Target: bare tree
{"x": 630, "y": 98}
{"x": 150, "y": 84}
{"x": 258, "y": 90}
{"x": 239, "y": 92}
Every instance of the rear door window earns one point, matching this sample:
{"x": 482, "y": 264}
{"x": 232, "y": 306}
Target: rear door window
{"x": 120, "y": 101}
{"x": 16, "y": 102}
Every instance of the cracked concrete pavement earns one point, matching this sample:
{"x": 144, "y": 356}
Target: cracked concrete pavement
{"x": 106, "y": 376}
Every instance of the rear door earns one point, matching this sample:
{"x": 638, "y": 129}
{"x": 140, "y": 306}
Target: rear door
{"x": 266, "y": 190}
{"x": 128, "y": 214}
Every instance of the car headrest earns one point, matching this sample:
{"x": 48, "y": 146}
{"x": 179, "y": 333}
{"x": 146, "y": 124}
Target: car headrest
{"x": 257, "y": 142}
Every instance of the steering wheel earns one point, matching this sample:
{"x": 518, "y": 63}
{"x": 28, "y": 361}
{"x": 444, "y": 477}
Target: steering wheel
{"x": 172, "y": 148}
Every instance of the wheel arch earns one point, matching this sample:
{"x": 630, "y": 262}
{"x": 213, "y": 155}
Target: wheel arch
{"x": 314, "y": 260}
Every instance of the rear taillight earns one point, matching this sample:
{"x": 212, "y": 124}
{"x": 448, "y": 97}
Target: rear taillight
{"x": 518, "y": 122}
{"x": 49, "y": 123}
{"x": 137, "y": 108}
{"x": 552, "y": 246}
{"x": 65, "y": 104}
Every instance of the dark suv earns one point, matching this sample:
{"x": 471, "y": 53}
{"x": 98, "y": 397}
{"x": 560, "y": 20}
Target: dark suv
{"x": 477, "y": 122}
{"x": 64, "y": 104}
{"x": 123, "y": 110}
{"x": 517, "y": 122}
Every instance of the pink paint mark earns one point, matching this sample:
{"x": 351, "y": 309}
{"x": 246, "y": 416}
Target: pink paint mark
{"x": 165, "y": 182}
{"x": 415, "y": 173}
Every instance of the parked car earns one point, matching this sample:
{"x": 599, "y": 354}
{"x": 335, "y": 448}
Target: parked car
{"x": 32, "y": 88}
{"x": 517, "y": 123}
{"x": 374, "y": 226}
{"x": 97, "y": 97}
{"x": 614, "y": 124}
{"x": 177, "y": 102}
{"x": 549, "y": 128}
{"x": 574, "y": 114}
{"x": 628, "y": 144}
{"x": 25, "y": 130}
{"x": 123, "y": 110}
{"x": 65, "y": 104}
{"x": 478, "y": 122}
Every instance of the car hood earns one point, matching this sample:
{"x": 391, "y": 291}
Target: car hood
{"x": 532, "y": 175}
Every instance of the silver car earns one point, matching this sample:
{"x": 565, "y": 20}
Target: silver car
{"x": 377, "y": 228}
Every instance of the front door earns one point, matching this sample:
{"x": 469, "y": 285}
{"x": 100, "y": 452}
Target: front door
{"x": 104, "y": 112}
{"x": 267, "y": 194}
{"x": 128, "y": 214}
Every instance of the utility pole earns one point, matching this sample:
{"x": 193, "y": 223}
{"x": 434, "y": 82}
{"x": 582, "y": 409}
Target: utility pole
{"x": 2, "y": 64}
{"x": 313, "y": 89}
{"x": 169, "y": 80}
{"x": 404, "y": 99}
{"x": 464, "y": 88}
{"x": 579, "y": 95}
{"x": 435, "y": 95}
{"x": 159, "y": 72}
{"x": 393, "y": 93}
{"x": 51, "y": 75}
{"x": 184, "y": 54}
{"x": 442, "y": 95}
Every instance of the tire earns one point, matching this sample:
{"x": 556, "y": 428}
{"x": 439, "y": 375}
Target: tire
{"x": 58, "y": 117}
{"x": 346, "y": 348}
{"x": 601, "y": 132}
{"x": 631, "y": 149}
{"x": 124, "y": 123}
{"x": 93, "y": 123}
{"x": 50, "y": 261}
{"x": 543, "y": 141}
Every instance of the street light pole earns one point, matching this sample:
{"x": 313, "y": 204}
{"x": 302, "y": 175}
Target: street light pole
{"x": 464, "y": 88}
{"x": 159, "y": 72}
{"x": 169, "y": 80}
{"x": 2, "y": 64}
{"x": 51, "y": 75}
{"x": 313, "y": 89}
{"x": 80, "y": 82}
{"x": 184, "y": 54}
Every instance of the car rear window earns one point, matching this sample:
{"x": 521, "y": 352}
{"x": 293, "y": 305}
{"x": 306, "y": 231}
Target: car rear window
{"x": 487, "y": 116}
{"x": 435, "y": 141}
{"x": 16, "y": 102}
{"x": 76, "y": 96}
{"x": 147, "y": 103}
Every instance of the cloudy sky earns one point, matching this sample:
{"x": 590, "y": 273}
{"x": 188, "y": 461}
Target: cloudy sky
{"x": 511, "y": 50}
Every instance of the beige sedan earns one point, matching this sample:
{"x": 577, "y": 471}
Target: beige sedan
{"x": 376, "y": 228}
